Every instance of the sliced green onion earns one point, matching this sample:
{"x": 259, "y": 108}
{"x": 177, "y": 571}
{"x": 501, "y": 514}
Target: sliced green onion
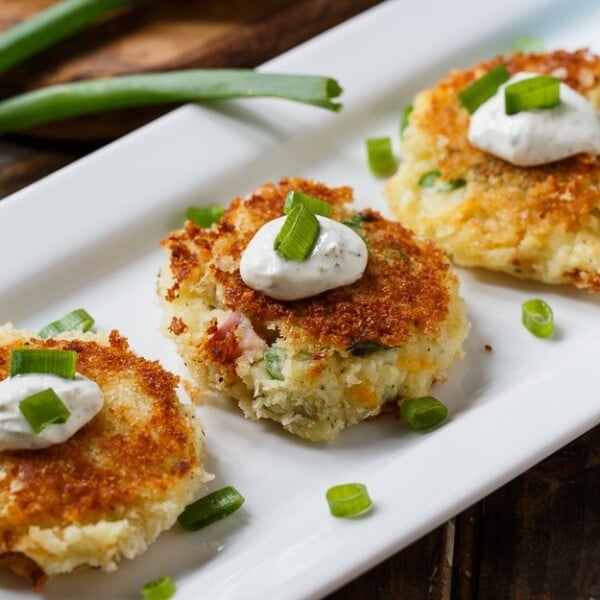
{"x": 33, "y": 360}
{"x": 424, "y": 412}
{"x": 211, "y": 508}
{"x": 273, "y": 358}
{"x": 538, "y": 317}
{"x": 542, "y": 91}
{"x": 42, "y": 409}
{"x": 429, "y": 178}
{"x": 363, "y": 348}
{"x": 482, "y": 89}
{"x": 78, "y": 319}
{"x": 161, "y": 588}
{"x": 354, "y": 222}
{"x": 68, "y": 100}
{"x": 316, "y": 206}
{"x": 404, "y": 118}
{"x": 453, "y": 184}
{"x": 205, "y": 216}
{"x": 382, "y": 161}
{"x": 50, "y": 26}
{"x": 298, "y": 234}
{"x": 528, "y": 44}
{"x": 348, "y": 499}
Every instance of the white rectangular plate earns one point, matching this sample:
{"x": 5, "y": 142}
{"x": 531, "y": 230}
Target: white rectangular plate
{"x": 88, "y": 236}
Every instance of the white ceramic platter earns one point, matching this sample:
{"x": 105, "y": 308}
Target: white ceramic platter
{"x": 88, "y": 236}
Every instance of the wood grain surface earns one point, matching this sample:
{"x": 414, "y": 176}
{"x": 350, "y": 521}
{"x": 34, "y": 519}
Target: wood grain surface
{"x": 537, "y": 538}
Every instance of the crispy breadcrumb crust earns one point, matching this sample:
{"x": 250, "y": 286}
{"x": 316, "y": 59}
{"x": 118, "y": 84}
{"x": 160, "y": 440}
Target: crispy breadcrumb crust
{"x": 539, "y": 222}
{"x": 108, "y": 491}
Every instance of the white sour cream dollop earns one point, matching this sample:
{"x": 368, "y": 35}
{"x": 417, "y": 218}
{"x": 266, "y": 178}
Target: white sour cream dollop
{"x": 81, "y": 396}
{"x": 540, "y": 136}
{"x": 338, "y": 258}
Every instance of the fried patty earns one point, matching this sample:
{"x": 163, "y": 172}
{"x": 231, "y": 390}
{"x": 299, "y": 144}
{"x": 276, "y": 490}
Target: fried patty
{"x": 540, "y": 223}
{"x": 108, "y": 491}
{"x": 321, "y": 363}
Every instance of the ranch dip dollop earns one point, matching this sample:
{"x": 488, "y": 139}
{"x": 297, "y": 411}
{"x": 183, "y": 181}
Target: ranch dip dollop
{"x": 539, "y": 136}
{"x": 338, "y": 258}
{"x": 81, "y": 396}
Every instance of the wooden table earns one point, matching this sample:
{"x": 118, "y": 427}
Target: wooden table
{"x": 536, "y": 538}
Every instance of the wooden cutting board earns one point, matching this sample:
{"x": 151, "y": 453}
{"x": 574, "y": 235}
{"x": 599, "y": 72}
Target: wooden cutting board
{"x": 159, "y": 35}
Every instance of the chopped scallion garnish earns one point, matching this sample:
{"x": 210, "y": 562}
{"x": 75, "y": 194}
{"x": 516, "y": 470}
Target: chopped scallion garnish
{"x": 36, "y": 360}
{"x": 211, "y": 508}
{"x": 78, "y": 319}
{"x": 404, "y": 118}
{"x": 429, "y": 178}
{"x": 42, "y": 409}
{"x": 424, "y": 412}
{"x": 453, "y": 184}
{"x": 205, "y": 216}
{"x": 348, "y": 499}
{"x": 298, "y": 235}
{"x": 528, "y": 44}
{"x": 273, "y": 358}
{"x": 316, "y": 206}
{"x": 382, "y": 161}
{"x": 542, "y": 91}
{"x": 482, "y": 89}
{"x": 538, "y": 318}
{"x": 161, "y": 588}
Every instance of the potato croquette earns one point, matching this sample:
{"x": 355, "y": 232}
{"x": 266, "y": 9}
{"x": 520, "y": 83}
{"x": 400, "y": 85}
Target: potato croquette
{"x": 540, "y": 223}
{"x": 109, "y": 490}
{"x": 318, "y": 364}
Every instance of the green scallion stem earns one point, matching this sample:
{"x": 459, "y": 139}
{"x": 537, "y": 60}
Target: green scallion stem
{"x": 428, "y": 179}
{"x": 42, "y": 409}
{"x": 348, "y": 500}
{"x": 211, "y": 508}
{"x": 542, "y": 91}
{"x": 273, "y": 358}
{"x": 50, "y": 26}
{"x": 538, "y": 318}
{"x": 404, "y": 118}
{"x": 78, "y": 319}
{"x": 161, "y": 588}
{"x": 316, "y": 206}
{"x": 528, "y": 44}
{"x": 205, "y": 216}
{"x": 482, "y": 89}
{"x": 380, "y": 155}
{"x": 37, "y": 360}
{"x": 451, "y": 185}
{"x": 85, "y": 97}
{"x": 424, "y": 412}
{"x": 298, "y": 235}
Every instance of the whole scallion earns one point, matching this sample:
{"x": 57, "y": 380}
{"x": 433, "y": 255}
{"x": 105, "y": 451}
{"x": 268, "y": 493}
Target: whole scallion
{"x": 49, "y": 27}
{"x": 68, "y": 100}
